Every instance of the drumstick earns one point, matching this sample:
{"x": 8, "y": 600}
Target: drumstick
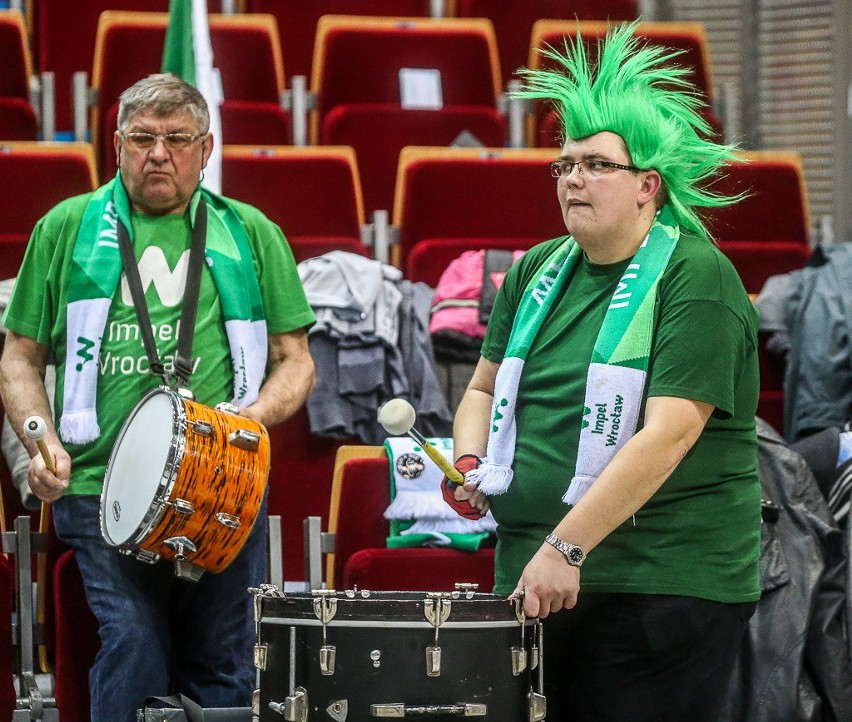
{"x": 397, "y": 417}
{"x": 36, "y": 429}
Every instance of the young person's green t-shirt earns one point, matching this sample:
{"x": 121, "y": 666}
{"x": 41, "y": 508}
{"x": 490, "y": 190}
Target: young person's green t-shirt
{"x": 161, "y": 245}
{"x": 699, "y": 535}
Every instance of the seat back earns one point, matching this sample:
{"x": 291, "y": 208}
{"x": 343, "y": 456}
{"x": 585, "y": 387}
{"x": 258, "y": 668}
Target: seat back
{"x": 246, "y": 50}
{"x": 358, "y": 63}
{"x": 513, "y": 21}
{"x": 17, "y": 119}
{"x": 687, "y": 37}
{"x": 766, "y": 233}
{"x": 44, "y": 173}
{"x": 358, "y": 59}
{"x": 312, "y": 193}
{"x": 449, "y": 200}
{"x": 297, "y": 22}
{"x": 360, "y": 495}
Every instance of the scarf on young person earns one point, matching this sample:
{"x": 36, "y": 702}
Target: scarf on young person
{"x": 617, "y": 374}
{"x": 95, "y": 273}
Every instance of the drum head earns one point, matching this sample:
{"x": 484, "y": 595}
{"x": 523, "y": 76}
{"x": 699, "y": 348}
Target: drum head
{"x": 136, "y": 467}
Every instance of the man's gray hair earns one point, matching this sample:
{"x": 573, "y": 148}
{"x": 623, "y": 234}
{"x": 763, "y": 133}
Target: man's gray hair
{"x": 165, "y": 94}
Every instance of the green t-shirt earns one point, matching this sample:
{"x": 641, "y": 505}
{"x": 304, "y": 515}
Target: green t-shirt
{"x": 699, "y": 535}
{"x": 37, "y": 309}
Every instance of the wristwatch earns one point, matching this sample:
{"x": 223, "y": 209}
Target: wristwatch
{"x": 572, "y": 553}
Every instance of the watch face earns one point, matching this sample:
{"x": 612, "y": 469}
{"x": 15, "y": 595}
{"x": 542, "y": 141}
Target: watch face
{"x": 575, "y": 555}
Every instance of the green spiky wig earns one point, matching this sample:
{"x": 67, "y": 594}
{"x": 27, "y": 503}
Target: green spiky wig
{"x": 635, "y": 91}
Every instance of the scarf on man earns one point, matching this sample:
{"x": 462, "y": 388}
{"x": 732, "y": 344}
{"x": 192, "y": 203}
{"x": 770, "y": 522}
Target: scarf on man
{"x": 617, "y": 374}
{"x": 95, "y": 273}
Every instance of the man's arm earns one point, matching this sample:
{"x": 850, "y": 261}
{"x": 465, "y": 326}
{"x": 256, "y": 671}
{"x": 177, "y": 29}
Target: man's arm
{"x": 672, "y": 426}
{"x": 22, "y": 386}
{"x": 289, "y": 381}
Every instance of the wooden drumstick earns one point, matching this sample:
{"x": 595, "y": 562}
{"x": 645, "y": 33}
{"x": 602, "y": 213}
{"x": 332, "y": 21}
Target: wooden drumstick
{"x": 36, "y": 429}
{"x": 397, "y": 417}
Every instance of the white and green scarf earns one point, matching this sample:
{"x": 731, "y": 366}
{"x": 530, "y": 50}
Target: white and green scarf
{"x": 616, "y": 380}
{"x": 95, "y": 273}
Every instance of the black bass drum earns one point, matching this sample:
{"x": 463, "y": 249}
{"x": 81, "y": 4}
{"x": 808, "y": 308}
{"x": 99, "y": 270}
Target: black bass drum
{"x": 359, "y": 655}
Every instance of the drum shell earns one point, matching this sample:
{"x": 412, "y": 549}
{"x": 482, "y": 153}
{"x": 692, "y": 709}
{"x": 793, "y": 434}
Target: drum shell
{"x": 476, "y": 644}
{"x": 213, "y": 475}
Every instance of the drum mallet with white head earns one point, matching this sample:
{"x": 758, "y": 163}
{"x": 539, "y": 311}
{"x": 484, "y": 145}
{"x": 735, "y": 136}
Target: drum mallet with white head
{"x": 397, "y": 417}
{"x": 35, "y": 429}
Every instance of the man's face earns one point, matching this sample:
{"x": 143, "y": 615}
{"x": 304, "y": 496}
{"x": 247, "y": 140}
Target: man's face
{"x": 599, "y": 206}
{"x": 161, "y": 179}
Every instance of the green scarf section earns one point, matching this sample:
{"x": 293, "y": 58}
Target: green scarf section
{"x": 96, "y": 270}
{"x": 616, "y": 380}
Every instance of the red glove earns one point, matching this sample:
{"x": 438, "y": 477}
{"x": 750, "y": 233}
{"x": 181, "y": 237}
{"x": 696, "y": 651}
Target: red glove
{"x": 465, "y": 463}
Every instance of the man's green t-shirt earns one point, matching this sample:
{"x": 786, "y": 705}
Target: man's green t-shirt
{"x": 37, "y": 309}
{"x": 699, "y": 535}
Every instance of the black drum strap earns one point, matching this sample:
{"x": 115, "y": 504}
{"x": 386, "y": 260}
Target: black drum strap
{"x": 183, "y": 357}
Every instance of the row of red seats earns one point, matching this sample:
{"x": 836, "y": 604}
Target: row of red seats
{"x": 356, "y": 82}
{"x": 63, "y": 37}
{"x": 314, "y": 194}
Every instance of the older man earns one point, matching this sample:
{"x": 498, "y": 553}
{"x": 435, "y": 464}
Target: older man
{"x": 71, "y": 302}
{"x": 610, "y": 424}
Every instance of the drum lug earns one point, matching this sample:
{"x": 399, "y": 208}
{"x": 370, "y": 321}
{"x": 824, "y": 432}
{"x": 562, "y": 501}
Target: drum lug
{"x": 260, "y": 654}
{"x": 436, "y": 608}
{"x": 519, "y": 660}
{"x": 327, "y": 658}
{"x": 433, "y": 661}
{"x": 228, "y": 520}
{"x": 226, "y": 407}
{"x": 202, "y": 428}
{"x": 181, "y": 505}
{"x": 244, "y": 439}
{"x": 294, "y": 708}
{"x": 537, "y": 706}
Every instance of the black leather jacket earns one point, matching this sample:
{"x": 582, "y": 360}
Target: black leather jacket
{"x": 795, "y": 664}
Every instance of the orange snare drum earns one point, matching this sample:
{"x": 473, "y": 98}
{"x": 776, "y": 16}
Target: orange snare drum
{"x": 184, "y": 482}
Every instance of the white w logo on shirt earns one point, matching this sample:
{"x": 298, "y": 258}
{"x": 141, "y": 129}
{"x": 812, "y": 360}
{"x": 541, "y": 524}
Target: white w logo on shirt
{"x": 153, "y": 268}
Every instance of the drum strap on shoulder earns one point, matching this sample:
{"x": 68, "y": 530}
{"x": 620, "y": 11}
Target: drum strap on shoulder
{"x": 183, "y": 357}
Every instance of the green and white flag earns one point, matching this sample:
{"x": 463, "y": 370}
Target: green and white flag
{"x": 188, "y": 54}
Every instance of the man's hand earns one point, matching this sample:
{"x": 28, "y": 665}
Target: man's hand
{"x": 46, "y": 485}
{"x": 466, "y": 500}
{"x": 549, "y": 583}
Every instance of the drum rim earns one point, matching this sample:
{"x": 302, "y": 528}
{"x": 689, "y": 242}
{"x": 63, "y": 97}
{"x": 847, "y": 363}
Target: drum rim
{"x": 167, "y": 482}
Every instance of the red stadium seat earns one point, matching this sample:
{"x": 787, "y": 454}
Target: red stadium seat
{"x": 17, "y": 118}
{"x": 64, "y": 40}
{"x": 450, "y": 200}
{"x": 44, "y": 173}
{"x": 246, "y": 51}
{"x": 299, "y": 483}
{"x": 312, "y": 193}
{"x": 357, "y": 67}
{"x": 360, "y": 494}
{"x": 297, "y": 22}
{"x": 690, "y": 38}
{"x": 513, "y": 21}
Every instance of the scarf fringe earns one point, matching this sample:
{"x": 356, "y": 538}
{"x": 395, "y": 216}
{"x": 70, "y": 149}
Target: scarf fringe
{"x": 79, "y": 427}
{"x": 458, "y": 525}
{"x": 580, "y": 484}
{"x": 491, "y": 479}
